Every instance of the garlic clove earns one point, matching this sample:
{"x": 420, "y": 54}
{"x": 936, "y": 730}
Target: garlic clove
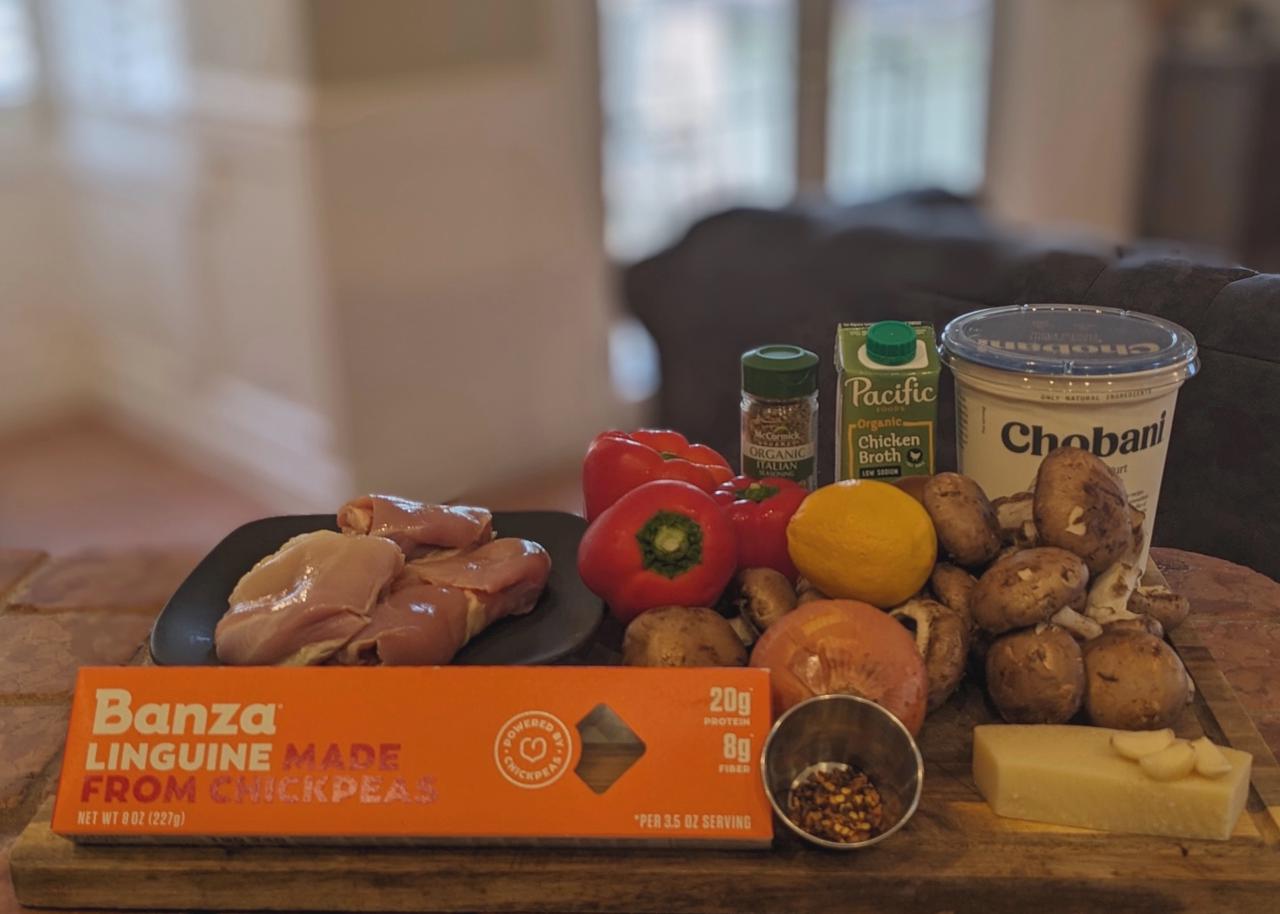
{"x": 1209, "y": 758}
{"x": 1175, "y": 761}
{"x": 1134, "y": 744}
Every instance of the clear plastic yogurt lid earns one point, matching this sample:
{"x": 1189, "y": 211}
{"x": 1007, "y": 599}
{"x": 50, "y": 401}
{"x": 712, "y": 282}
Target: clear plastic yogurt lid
{"x": 1071, "y": 340}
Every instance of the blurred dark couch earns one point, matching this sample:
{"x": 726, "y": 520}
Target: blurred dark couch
{"x": 748, "y": 277}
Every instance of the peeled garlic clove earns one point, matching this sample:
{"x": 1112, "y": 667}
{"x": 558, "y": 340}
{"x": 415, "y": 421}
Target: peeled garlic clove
{"x": 1135, "y": 744}
{"x": 1175, "y": 761}
{"x": 1209, "y": 758}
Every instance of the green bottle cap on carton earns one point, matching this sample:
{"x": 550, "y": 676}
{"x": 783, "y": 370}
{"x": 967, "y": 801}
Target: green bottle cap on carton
{"x": 891, "y": 343}
{"x": 779, "y": 372}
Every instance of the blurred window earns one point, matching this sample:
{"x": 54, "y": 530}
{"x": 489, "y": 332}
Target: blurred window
{"x": 127, "y": 55}
{"x": 699, "y": 99}
{"x": 17, "y": 54}
{"x": 908, "y": 96}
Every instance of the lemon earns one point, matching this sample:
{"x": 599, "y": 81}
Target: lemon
{"x": 862, "y": 540}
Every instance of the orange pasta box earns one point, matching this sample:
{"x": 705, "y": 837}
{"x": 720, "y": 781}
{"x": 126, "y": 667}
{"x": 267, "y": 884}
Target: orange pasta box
{"x": 421, "y": 754}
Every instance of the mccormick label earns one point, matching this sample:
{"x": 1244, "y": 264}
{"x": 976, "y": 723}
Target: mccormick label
{"x": 777, "y": 440}
{"x": 886, "y": 415}
{"x": 428, "y": 753}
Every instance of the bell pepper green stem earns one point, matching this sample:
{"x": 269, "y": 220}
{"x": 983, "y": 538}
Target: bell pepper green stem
{"x": 670, "y": 540}
{"x": 670, "y": 544}
{"x": 756, "y": 492}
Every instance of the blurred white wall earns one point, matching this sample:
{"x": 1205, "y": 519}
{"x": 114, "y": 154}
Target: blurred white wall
{"x": 459, "y": 185}
{"x": 1069, "y": 90}
{"x": 43, "y": 351}
{"x": 331, "y": 252}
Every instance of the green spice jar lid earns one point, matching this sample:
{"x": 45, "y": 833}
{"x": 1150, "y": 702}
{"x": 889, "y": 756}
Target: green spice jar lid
{"x": 891, "y": 343}
{"x": 779, "y": 372}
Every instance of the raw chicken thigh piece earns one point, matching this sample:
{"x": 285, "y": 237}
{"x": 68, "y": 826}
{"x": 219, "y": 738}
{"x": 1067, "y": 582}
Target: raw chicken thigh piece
{"x": 437, "y": 605}
{"x": 490, "y": 568}
{"x": 414, "y": 527}
{"x": 420, "y": 624}
{"x": 303, "y": 602}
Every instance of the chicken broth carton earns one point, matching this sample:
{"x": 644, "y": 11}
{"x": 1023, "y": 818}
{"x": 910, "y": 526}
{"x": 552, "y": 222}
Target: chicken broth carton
{"x": 887, "y": 400}
{"x": 417, "y": 754}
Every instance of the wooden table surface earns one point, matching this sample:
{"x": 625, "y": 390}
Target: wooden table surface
{"x": 96, "y": 609}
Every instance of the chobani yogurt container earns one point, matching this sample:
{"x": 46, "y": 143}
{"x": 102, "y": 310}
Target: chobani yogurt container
{"x": 1032, "y": 377}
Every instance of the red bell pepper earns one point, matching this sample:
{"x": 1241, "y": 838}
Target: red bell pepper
{"x": 617, "y": 462}
{"x": 759, "y": 510}
{"x": 664, "y": 543}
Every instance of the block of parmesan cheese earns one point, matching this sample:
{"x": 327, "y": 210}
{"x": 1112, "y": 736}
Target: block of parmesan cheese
{"x": 1068, "y": 775}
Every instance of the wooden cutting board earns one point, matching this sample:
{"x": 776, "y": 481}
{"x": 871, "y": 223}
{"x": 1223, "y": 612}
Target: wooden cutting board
{"x": 954, "y": 855}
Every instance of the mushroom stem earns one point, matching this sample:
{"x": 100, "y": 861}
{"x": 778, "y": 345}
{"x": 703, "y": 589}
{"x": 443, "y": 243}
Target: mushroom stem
{"x": 1081, "y": 626}
{"x": 1016, "y": 520}
{"x": 922, "y": 616}
{"x": 745, "y": 631}
{"x": 1109, "y": 596}
{"x": 942, "y": 639}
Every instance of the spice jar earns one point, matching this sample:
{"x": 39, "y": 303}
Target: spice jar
{"x": 780, "y": 413}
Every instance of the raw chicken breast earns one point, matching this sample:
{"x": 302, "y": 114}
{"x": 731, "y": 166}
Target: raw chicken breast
{"x": 437, "y": 605}
{"x": 305, "y": 601}
{"x": 414, "y": 527}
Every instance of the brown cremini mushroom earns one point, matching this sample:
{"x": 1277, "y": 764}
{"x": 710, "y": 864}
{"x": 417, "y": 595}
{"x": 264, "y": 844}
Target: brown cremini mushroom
{"x": 1133, "y": 681}
{"x": 963, "y": 518}
{"x": 1027, "y": 588}
{"x": 1111, "y": 591}
{"x": 1006, "y": 552}
{"x": 1149, "y": 624}
{"x": 764, "y": 596}
{"x": 682, "y": 636}
{"x": 942, "y": 638}
{"x": 1015, "y": 516}
{"x": 1036, "y": 676}
{"x": 953, "y": 586}
{"x": 807, "y": 593}
{"x": 913, "y": 486}
{"x": 1155, "y": 601}
{"x": 1137, "y": 528}
{"x": 1080, "y": 505}
{"x": 979, "y": 646}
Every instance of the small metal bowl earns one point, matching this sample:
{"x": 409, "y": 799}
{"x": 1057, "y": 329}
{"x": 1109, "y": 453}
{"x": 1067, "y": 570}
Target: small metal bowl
{"x": 836, "y": 731}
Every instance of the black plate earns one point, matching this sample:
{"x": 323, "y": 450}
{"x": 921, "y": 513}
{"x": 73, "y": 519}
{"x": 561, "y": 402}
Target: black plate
{"x": 563, "y": 621}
